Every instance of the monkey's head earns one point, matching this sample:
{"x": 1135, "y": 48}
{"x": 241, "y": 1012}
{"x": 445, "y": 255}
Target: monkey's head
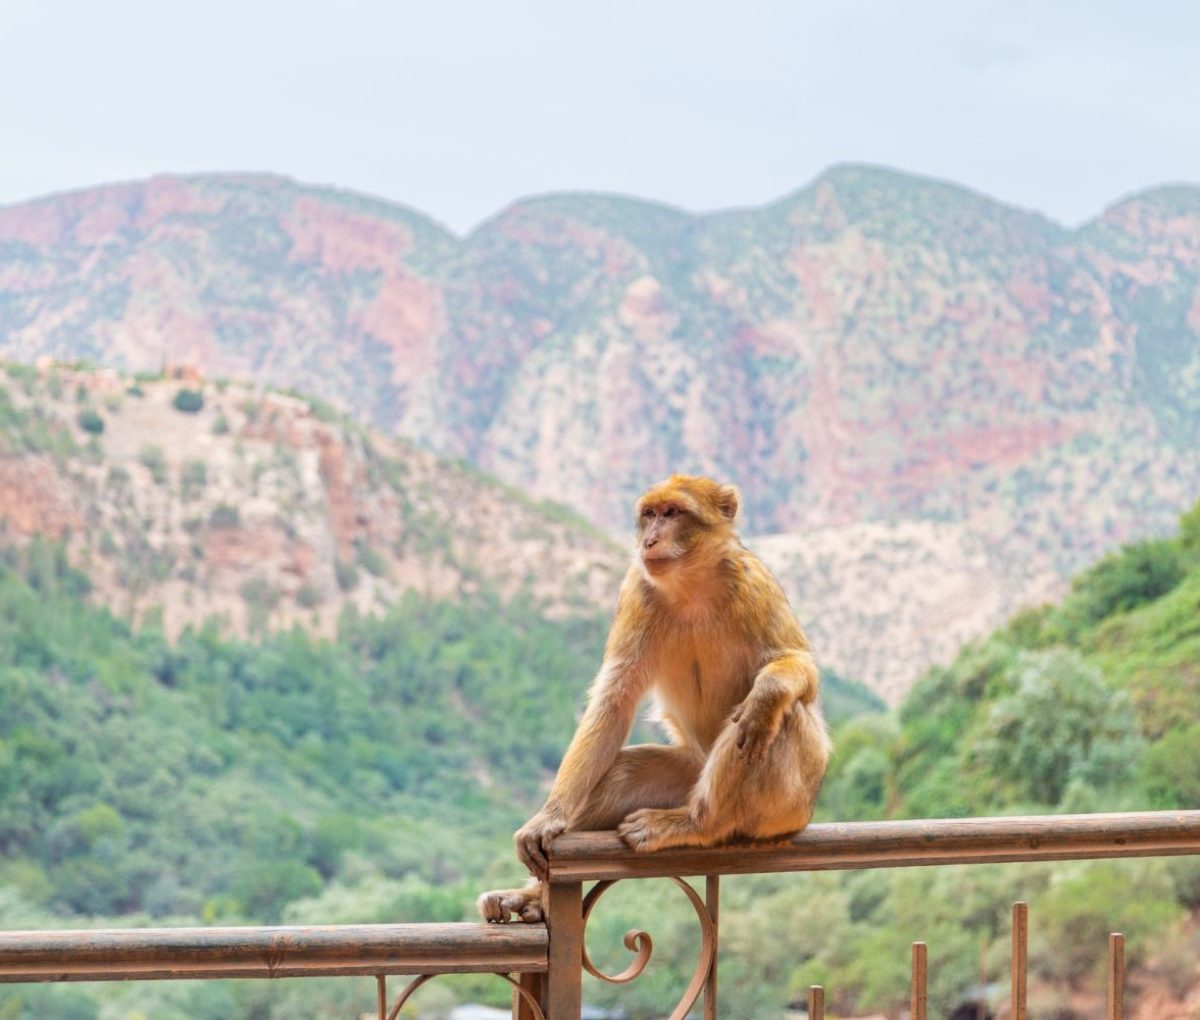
{"x": 680, "y": 516}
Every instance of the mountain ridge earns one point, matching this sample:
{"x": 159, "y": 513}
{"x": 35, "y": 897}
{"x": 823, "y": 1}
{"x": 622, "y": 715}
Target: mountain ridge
{"x": 873, "y": 349}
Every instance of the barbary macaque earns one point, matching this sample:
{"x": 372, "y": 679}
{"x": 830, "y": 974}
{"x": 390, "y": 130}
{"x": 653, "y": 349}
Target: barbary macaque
{"x": 703, "y": 626}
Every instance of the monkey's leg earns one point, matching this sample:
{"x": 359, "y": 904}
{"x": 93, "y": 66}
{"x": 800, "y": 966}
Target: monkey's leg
{"x": 738, "y": 797}
{"x": 645, "y": 775}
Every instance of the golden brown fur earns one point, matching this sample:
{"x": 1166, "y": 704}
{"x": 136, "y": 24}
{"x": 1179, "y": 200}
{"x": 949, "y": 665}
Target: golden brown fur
{"x": 703, "y": 626}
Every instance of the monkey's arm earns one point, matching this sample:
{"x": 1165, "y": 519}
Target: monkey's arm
{"x": 788, "y": 678}
{"x": 606, "y": 723}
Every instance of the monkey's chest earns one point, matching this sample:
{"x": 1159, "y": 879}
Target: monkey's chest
{"x": 698, "y": 686}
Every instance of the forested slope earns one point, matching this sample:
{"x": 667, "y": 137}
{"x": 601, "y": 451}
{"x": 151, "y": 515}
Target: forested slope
{"x": 1092, "y": 704}
{"x": 374, "y": 777}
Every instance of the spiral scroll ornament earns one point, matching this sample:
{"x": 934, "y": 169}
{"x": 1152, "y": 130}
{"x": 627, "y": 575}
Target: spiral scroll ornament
{"x": 640, "y": 943}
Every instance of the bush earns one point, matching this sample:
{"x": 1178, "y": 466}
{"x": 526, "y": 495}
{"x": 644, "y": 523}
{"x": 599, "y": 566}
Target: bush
{"x": 153, "y": 458}
{"x": 188, "y": 401}
{"x": 193, "y": 477}
{"x": 1171, "y": 770}
{"x": 224, "y": 516}
{"x": 1092, "y": 899}
{"x": 370, "y": 560}
{"x": 1061, "y": 723}
{"x": 90, "y": 421}
{"x": 1124, "y": 580}
{"x": 347, "y": 575}
{"x": 308, "y": 596}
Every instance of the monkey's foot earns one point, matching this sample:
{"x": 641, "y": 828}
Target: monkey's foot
{"x": 501, "y": 905}
{"x": 656, "y": 828}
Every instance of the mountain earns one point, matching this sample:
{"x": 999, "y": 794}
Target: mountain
{"x": 895, "y": 370}
{"x": 186, "y": 500}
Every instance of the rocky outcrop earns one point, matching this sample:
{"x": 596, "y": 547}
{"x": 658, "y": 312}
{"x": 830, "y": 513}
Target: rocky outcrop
{"x": 263, "y": 510}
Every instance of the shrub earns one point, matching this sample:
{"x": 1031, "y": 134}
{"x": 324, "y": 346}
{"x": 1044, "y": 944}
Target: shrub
{"x": 193, "y": 477}
{"x": 308, "y": 596}
{"x": 1125, "y": 580}
{"x": 1171, "y": 769}
{"x": 347, "y": 575}
{"x": 370, "y": 560}
{"x": 90, "y": 421}
{"x": 1062, "y": 722}
{"x": 188, "y": 401}
{"x": 224, "y": 516}
{"x": 153, "y": 458}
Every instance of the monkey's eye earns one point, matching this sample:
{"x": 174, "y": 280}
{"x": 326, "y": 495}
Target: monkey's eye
{"x": 648, "y": 512}
{"x": 671, "y": 512}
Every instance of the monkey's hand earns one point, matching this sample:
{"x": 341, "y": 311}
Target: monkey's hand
{"x": 533, "y": 840}
{"x": 757, "y": 721}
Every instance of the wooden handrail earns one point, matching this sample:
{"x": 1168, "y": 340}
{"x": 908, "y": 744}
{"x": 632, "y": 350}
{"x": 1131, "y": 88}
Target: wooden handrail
{"x": 145, "y": 954}
{"x": 587, "y": 856}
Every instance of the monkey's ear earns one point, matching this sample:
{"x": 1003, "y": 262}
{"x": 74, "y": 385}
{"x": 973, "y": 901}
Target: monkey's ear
{"x": 728, "y": 499}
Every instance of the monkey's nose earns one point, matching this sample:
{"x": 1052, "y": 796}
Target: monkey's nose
{"x": 649, "y": 543}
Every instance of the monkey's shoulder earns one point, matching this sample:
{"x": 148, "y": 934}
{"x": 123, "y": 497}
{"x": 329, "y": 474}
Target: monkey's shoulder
{"x": 750, "y": 577}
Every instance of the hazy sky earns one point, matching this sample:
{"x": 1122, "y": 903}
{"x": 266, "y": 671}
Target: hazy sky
{"x": 458, "y": 108}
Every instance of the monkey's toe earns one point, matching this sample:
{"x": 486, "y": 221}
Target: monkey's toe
{"x": 531, "y": 913}
{"x": 502, "y": 905}
{"x": 491, "y": 907}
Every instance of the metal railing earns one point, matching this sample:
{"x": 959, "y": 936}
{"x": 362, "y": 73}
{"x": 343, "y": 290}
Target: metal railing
{"x": 545, "y": 963}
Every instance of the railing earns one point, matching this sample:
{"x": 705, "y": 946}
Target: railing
{"x": 545, "y": 964}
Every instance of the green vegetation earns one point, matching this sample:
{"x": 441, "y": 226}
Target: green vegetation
{"x": 1090, "y": 705}
{"x": 378, "y": 776}
{"x": 154, "y": 460}
{"x": 90, "y": 421}
{"x": 193, "y": 478}
{"x": 346, "y": 574}
{"x": 224, "y": 516}
{"x": 32, "y": 429}
{"x": 188, "y": 401}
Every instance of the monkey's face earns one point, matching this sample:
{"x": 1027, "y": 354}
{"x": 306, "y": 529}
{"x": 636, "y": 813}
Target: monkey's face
{"x": 666, "y": 534}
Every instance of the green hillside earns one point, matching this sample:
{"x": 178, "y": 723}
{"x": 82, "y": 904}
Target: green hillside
{"x": 1089, "y": 705}
{"x": 376, "y": 777}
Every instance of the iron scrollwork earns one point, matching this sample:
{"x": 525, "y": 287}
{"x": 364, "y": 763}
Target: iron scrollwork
{"x": 639, "y": 942}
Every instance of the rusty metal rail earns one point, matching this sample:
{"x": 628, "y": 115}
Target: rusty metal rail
{"x": 600, "y": 856}
{"x": 587, "y": 856}
{"x": 545, "y": 963}
{"x": 152, "y": 954}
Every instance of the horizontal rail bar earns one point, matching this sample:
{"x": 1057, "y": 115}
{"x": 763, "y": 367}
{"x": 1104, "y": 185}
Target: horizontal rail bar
{"x": 145, "y": 954}
{"x": 584, "y": 856}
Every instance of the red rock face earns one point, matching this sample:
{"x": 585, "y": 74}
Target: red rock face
{"x": 34, "y": 499}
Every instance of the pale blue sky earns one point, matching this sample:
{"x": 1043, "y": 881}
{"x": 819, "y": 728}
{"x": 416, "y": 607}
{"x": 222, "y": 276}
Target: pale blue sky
{"x": 459, "y": 108}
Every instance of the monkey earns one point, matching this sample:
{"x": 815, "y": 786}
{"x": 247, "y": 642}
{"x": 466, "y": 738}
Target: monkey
{"x": 703, "y": 626}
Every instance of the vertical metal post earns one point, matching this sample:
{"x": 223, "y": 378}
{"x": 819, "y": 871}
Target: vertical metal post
{"x": 712, "y": 897}
{"x": 919, "y": 973}
{"x": 564, "y": 979}
{"x": 816, "y": 1002}
{"x": 381, "y": 995}
{"x": 1116, "y": 976}
{"x": 1020, "y": 941}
